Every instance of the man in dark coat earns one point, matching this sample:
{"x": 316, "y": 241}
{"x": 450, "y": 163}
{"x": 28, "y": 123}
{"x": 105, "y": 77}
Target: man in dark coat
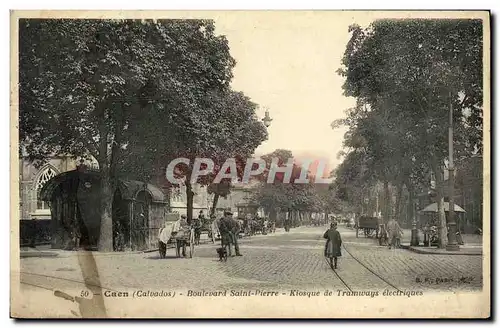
{"x": 229, "y": 229}
{"x": 287, "y": 224}
{"x": 333, "y": 243}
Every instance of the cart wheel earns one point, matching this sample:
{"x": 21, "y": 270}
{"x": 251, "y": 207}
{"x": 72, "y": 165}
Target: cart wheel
{"x": 191, "y": 244}
{"x": 177, "y": 250}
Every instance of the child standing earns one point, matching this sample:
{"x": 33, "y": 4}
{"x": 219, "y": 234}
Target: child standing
{"x": 333, "y": 243}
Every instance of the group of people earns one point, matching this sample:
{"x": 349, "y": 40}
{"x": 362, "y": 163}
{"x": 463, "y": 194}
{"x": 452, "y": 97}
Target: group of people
{"x": 229, "y": 229}
{"x": 255, "y": 224}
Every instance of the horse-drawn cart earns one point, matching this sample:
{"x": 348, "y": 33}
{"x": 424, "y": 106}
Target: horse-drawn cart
{"x": 174, "y": 233}
{"x": 211, "y": 229}
{"x": 368, "y": 224}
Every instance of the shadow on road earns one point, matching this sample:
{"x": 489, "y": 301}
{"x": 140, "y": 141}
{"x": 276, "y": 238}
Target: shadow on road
{"x": 157, "y": 257}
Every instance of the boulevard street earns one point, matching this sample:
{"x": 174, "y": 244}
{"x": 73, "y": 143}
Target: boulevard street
{"x": 290, "y": 261}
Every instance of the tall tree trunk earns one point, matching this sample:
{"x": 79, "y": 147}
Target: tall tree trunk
{"x": 106, "y": 227}
{"x": 440, "y": 207}
{"x": 387, "y": 202}
{"x": 399, "y": 194}
{"x": 214, "y": 204}
{"x": 190, "y": 199}
{"x": 272, "y": 214}
{"x": 106, "y": 231}
{"x": 411, "y": 207}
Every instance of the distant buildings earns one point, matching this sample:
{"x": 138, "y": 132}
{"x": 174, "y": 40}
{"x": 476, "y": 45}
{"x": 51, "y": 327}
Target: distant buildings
{"x": 239, "y": 199}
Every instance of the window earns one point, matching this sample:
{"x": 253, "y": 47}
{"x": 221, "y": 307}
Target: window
{"x": 47, "y": 174}
{"x": 176, "y": 195}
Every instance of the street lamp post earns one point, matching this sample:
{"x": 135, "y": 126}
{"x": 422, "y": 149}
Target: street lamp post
{"x": 267, "y": 119}
{"x": 414, "y": 231}
{"x": 452, "y": 230}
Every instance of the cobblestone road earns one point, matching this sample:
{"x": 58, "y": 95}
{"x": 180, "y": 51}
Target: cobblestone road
{"x": 281, "y": 260}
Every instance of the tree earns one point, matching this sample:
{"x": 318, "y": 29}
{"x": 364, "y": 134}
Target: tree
{"x": 290, "y": 196}
{"x": 407, "y": 72}
{"x": 92, "y": 86}
{"x": 227, "y": 129}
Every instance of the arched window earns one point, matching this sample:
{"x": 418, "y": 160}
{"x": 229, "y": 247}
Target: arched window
{"x": 46, "y": 174}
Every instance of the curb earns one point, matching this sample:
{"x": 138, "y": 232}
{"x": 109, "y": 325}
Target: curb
{"x": 75, "y": 253}
{"x": 38, "y": 254}
{"x": 62, "y": 253}
{"x": 439, "y": 252}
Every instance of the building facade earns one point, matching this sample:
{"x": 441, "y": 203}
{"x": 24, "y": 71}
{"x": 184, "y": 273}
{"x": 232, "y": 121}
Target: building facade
{"x": 33, "y": 178}
{"x": 240, "y": 196}
{"x": 178, "y": 200}
{"x": 239, "y": 200}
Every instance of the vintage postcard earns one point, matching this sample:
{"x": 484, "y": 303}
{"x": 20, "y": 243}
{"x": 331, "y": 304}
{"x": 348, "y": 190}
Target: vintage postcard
{"x": 250, "y": 164}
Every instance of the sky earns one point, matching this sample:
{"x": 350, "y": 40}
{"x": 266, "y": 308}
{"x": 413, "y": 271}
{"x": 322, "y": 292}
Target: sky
{"x": 287, "y": 62}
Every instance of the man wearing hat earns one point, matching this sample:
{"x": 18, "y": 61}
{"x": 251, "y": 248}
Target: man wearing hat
{"x": 179, "y": 229}
{"x": 229, "y": 229}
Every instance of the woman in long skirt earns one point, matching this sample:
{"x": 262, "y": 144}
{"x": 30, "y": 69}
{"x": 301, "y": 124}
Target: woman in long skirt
{"x": 333, "y": 243}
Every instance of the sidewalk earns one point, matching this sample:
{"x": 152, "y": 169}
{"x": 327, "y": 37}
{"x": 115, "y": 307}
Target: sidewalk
{"x": 35, "y": 252}
{"x": 464, "y": 250}
{"x": 473, "y": 245}
{"x": 47, "y": 251}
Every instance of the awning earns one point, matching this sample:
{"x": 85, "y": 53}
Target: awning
{"x": 50, "y": 186}
{"x": 128, "y": 188}
{"x": 433, "y": 208}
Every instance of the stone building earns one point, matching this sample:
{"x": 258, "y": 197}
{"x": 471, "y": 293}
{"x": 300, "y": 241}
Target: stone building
{"x": 32, "y": 179}
{"x": 239, "y": 201}
{"x": 34, "y": 213}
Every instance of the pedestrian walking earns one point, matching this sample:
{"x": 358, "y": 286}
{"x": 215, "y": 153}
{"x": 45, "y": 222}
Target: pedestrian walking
{"x": 333, "y": 243}
{"x": 197, "y": 225}
{"x": 287, "y": 224}
{"x": 265, "y": 226}
{"x": 394, "y": 232}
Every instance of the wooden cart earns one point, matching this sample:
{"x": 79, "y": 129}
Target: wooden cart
{"x": 166, "y": 237}
{"x": 186, "y": 236}
{"x": 210, "y": 228}
{"x": 368, "y": 224}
